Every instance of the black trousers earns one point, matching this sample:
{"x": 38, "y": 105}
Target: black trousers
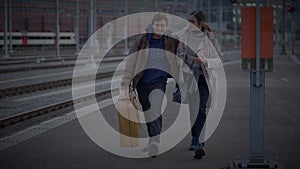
{"x": 201, "y": 112}
{"x": 151, "y": 98}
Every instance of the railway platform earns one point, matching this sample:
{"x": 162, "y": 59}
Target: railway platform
{"x": 60, "y": 142}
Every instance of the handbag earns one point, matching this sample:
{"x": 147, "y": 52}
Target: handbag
{"x": 177, "y": 96}
{"x": 129, "y": 126}
{"x": 180, "y": 94}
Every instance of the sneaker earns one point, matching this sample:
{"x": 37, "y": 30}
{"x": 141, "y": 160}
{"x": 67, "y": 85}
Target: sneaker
{"x": 192, "y": 147}
{"x": 195, "y": 146}
{"x": 153, "y": 149}
{"x": 199, "y": 153}
{"x": 146, "y": 148}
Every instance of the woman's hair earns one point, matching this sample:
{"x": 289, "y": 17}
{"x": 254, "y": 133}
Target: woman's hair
{"x": 206, "y": 27}
{"x": 200, "y": 16}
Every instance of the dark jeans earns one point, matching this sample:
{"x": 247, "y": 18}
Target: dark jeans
{"x": 201, "y": 115}
{"x": 151, "y": 98}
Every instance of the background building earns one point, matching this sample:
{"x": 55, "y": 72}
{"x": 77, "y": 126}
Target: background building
{"x": 40, "y": 15}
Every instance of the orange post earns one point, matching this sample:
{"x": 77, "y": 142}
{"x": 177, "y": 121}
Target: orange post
{"x": 249, "y": 35}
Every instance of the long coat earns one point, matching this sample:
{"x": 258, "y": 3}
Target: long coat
{"x": 138, "y": 57}
{"x": 208, "y": 47}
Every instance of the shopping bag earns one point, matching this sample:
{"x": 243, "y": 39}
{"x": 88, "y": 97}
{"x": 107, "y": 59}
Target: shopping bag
{"x": 180, "y": 94}
{"x": 129, "y": 126}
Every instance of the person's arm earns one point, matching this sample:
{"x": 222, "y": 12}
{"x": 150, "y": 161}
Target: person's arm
{"x": 212, "y": 36}
{"x": 211, "y": 61}
{"x": 214, "y": 40}
{"x": 130, "y": 63}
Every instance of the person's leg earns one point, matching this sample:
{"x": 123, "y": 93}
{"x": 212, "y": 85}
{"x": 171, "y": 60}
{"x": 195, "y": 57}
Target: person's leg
{"x": 151, "y": 97}
{"x": 201, "y": 116}
{"x": 194, "y": 108}
{"x": 154, "y": 117}
{"x": 143, "y": 94}
{"x": 154, "y": 114}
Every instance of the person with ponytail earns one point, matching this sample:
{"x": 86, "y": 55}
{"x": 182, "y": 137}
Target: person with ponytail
{"x": 193, "y": 53}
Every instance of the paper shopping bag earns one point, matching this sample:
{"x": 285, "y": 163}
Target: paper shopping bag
{"x": 129, "y": 126}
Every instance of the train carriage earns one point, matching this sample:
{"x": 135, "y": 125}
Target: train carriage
{"x": 38, "y": 38}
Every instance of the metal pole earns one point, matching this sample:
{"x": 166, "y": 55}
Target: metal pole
{"x": 291, "y": 31}
{"x": 208, "y": 11}
{"x": 201, "y": 5}
{"x": 293, "y": 36}
{"x": 293, "y": 43}
{"x": 235, "y": 26}
{"x": 90, "y": 18}
{"x": 10, "y": 27}
{"x": 257, "y": 41}
{"x": 77, "y": 27}
{"x": 257, "y": 97}
{"x": 5, "y": 30}
{"x": 126, "y": 29}
{"x": 57, "y": 30}
{"x": 220, "y": 23}
{"x": 283, "y": 52}
{"x": 91, "y": 31}
{"x": 94, "y": 16}
{"x": 195, "y": 3}
{"x": 110, "y": 32}
{"x": 277, "y": 28}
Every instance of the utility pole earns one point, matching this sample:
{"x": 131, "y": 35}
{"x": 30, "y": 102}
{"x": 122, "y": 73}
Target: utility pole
{"x": 283, "y": 52}
{"x": 57, "y": 30}
{"x": 201, "y": 4}
{"x": 5, "y": 30}
{"x": 94, "y": 16}
{"x": 257, "y": 63}
{"x": 277, "y": 28}
{"x": 220, "y": 23}
{"x": 77, "y": 27}
{"x": 126, "y": 29}
{"x": 235, "y": 25}
{"x": 257, "y": 97}
{"x": 10, "y": 27}
{"x": 90, "y": 33}
{"x": 208, "y": 11}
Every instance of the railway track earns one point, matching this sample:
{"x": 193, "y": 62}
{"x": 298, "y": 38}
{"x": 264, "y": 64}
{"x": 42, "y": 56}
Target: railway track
{"x": 54, "y": 65}
{"x": 54, "y": 107}
{"x": 11, "y": 120}
{"x": 36, "y": 60}
{"x": 42, "y": 59}
{"x": 26, "y": 89}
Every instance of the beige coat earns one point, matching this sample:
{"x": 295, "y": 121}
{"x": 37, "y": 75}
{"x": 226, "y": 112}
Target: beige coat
{"x": 138, "y": 56}
{"x": 207, "y": 47}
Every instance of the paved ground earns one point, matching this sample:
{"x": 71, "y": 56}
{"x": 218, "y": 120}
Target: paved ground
{"x": 68, "y": 146}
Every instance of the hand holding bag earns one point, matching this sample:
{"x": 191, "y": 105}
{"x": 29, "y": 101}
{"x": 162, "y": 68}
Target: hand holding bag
{"x": 129, "y": 126}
